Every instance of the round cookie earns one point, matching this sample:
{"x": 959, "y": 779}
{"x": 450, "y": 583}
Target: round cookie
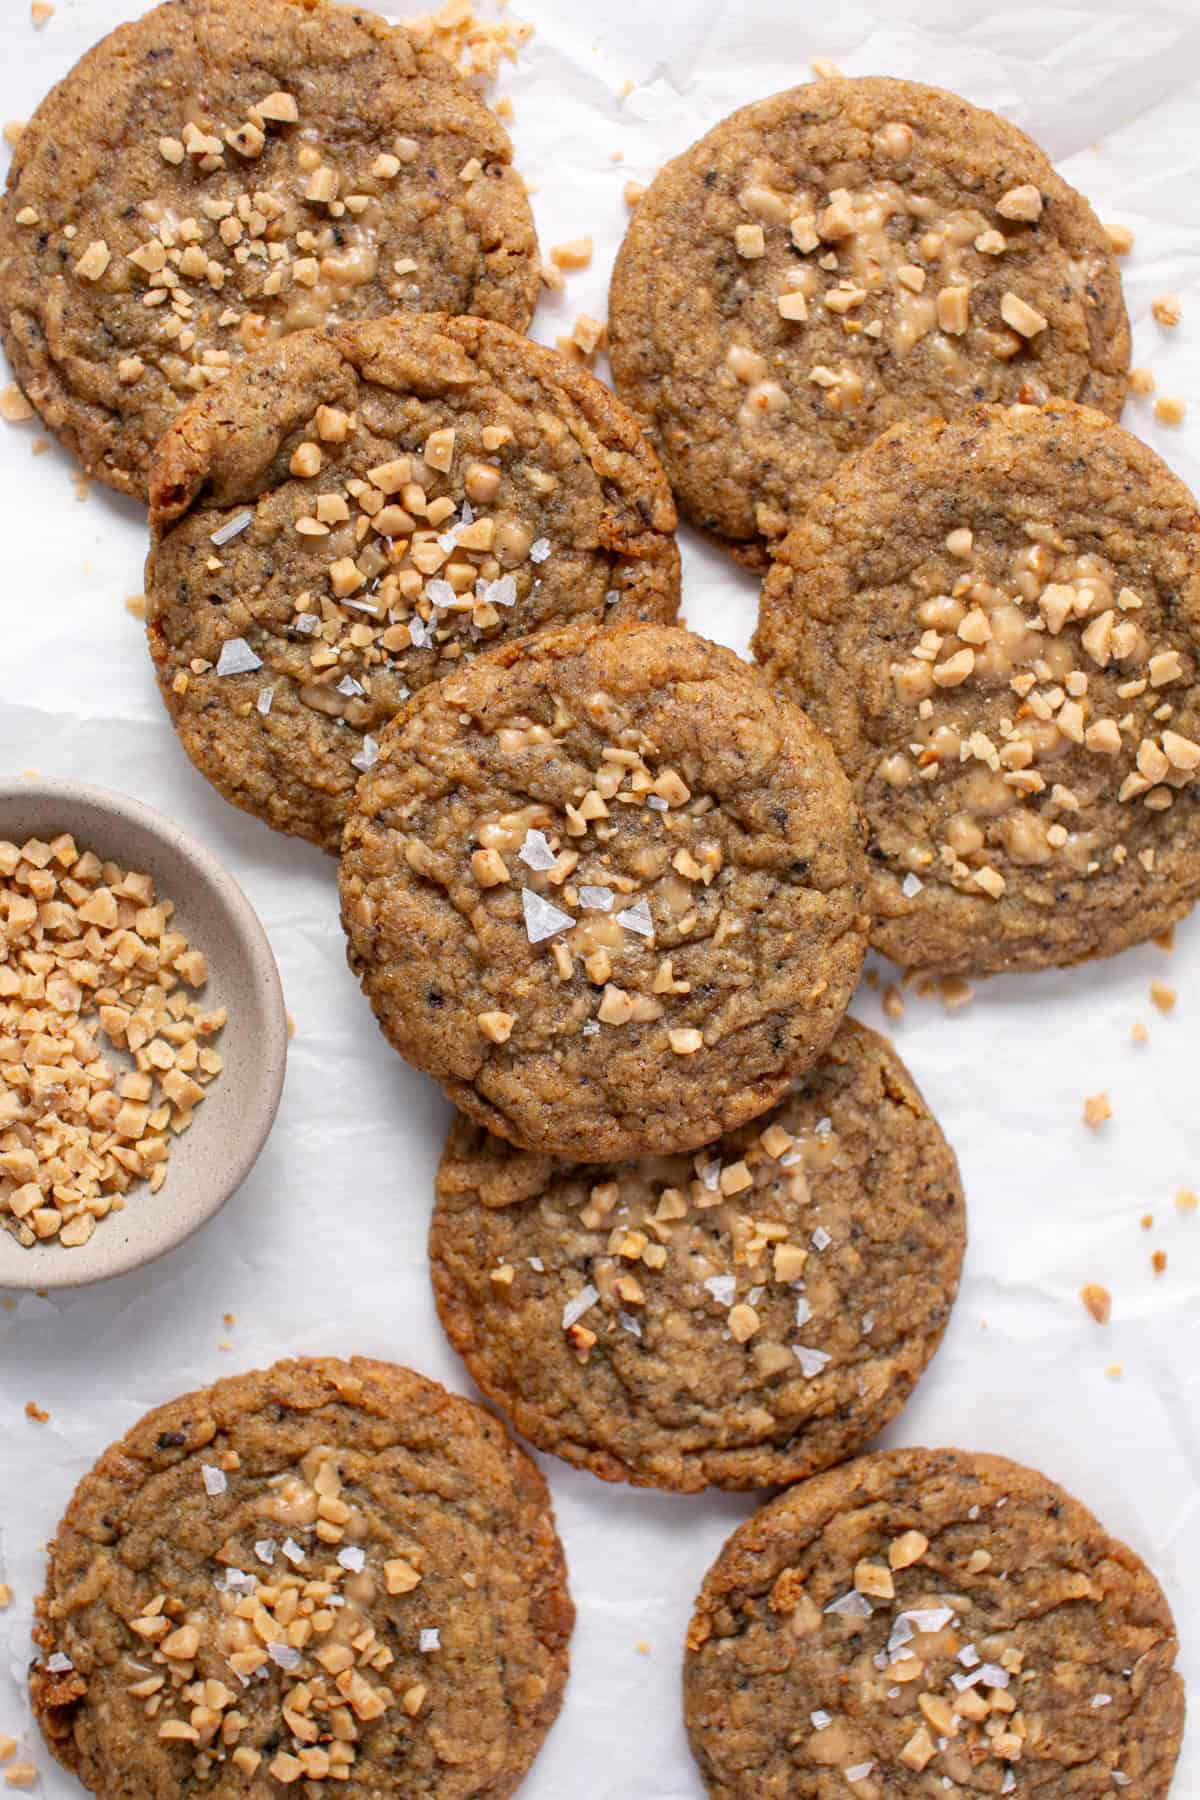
{"x": 997, "y": 621}
{"x": 742, "y": 1317}
{"x": 327, "y": 1569}
{"x": 929, "y": 1621}
{"x": 356, "y": 511}
{"x": 606, "y": 889}
{"x": 839, "y": 257}
{"x": 218, "y": 173}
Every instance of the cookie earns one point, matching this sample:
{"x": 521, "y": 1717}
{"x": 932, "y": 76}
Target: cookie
{"x": 997, "y": 620}
{"x": 327, "y": 1571}
{"x": 606, "y": 890}
{"x": 217, "y": 174}
{"x": 356, "y": 511}
{"x": 922, "y": 1622}
{"x": 742, "y": 1317}
{"x": 840, "y": 257}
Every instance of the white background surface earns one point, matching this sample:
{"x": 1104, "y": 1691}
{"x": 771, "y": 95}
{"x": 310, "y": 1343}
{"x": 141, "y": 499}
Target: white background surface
{"x": 324, "y": 1248}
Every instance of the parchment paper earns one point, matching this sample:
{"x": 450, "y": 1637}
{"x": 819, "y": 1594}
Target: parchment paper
{"x": 323, "y": 1250}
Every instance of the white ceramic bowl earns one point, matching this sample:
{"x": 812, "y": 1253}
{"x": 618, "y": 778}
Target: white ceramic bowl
{"x": 210, "y": 1161}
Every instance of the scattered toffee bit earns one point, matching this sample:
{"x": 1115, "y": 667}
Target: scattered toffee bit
{"x": 1186, "y": 1200}
{"x": 1098, "y": 1302}
{"x": 90, "y": 966}
{"x": 36, "y": 1413}
{"x": 14, "y": 407}
{"x": 1097, "y": 1108}
{"x": 1169, "y": 410}
{"x": 1164, "y": 997}
{"x": 1158, "y": 1262}
{"x": 1120, "y": 239}
{"x": 1167, "y": 310}
{"x": 575, "y": 254}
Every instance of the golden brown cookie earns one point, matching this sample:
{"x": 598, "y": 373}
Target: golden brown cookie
{"x": 222, "y": 172}
{"x": 997, "y": 621}
{"x": 357, "y": 512}
{"x": 606, "y": 890}
{"x": 922, "y": 1622}
{"x": 741, "y": 1317}
{"x": 321, "y": 1572}
{"x": 839, "y": 257}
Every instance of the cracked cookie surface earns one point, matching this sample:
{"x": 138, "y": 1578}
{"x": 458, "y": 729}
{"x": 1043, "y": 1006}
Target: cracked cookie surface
{"x": 922, "y": 1622}
{"x": 322, "y": 1572}
{"x": 217, "y": 174}
{"x": 359, "y": 511}
{"x": 836, "y": 258}
{"x": 605, "y": 889}
{"x": 741, "y": 1317}
{"x": 997, "y": 621}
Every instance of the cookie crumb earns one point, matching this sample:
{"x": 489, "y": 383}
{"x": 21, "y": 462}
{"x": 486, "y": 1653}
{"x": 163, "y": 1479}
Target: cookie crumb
{"x": 826, "y": 70}
{"x": 41, "y": 12}
{"x": 136, "y": 604}
{"x": 954, "y": 992}
{"x": 576, "y": 253}
{"x": 1096, "y": 1109}
{"x": 1170, "y": 410}
{"x": 1167, "y": 310}
{"x": 893, "y": 1002}
{"x": 1141, "y": 381}
{"x": 1139, "y": 1034}
{"x": 1164, "y": 997}
{"x": 13, "y": 132}
{"x": 1115, "y": 1371}
{"x": 14, "y": 407}
{"x": 36, "y": 1413}
{"x": 633, "y": 192}
{"x": 21, "y": 1775}
{"x": 642, "y": 1647}
{"x": 1120, "y": 239}
{"x": 1098, "y": 1302}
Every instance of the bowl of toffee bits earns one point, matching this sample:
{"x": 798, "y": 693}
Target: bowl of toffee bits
{"x": 143, "y": 1036}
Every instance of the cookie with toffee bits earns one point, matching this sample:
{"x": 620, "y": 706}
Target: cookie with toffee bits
{"x": 739, "y": 1317}
{"x": 997, "y": 620}
{"x": 359, "y": 511}
{"x": 840, "y": 257}
{"x": 326, "y": 1572}
{"x": 607, "y": 890}
{"x": 221, "y": 172}
{"x": 929, "y": 1621}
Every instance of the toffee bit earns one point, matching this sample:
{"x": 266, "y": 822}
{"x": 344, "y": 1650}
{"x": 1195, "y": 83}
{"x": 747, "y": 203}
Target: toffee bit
{"x": 1098, "y": 1302}
{"x": 1097, "y": 1108}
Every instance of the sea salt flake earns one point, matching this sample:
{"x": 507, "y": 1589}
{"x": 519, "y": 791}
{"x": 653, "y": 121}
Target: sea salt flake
{"x": 265, "y": 701}
{"x": 431, "y": 1639}
{"x": 542, "y": 920}
{"x": 1101, "y": 1700}
{"x": 292, "y": 1551}
{"x": 823, "y": 1127}
{"x": 932, "y": 1618}
{"x": 710, "y": 1175}
{"x": 367, "y": 757}
{"x": 597, "y": 899}
{"x": 811, "y": 1361}
{"x": 1120, "y": 1779}
{"x": 539, "y": 550}
{"x": 232, "y": 528}
{"x": 448, "y": 541}
{"x": 821, "y": 1239}
{"x": 420, "y": 633}
{"x": 535, "y": 852}
{"x": 440, "y": 593}
{"x": 722, "y": 1288}
{"x": 968, "y": 1656}
{"x": 264, "y": 1549}
{"x": 973, "y": 1512}
{"x": 306, "y": 623}
{"x": 851, "y": 1606}
{"x": 656, "y": 803}
{"x": 803, "y": 1311}
{"x": 612, "y": 596}
{"x": 582, "y": 1302}
{"x": 630, "y": 1324}
{"x": 353, "y": 1558}
{"x": 994, "y": 1675}
{"x": 535, "y": 1262}
{"x": 963, "y": 1682}
{"x": 285, "y": 1655}
{"x": 58, "y": 1664}
{"x": 237, "y": 658}
{"x": 214, "y": 1479}
{"x": 348, "y": 687}
{"x": 859, "y": 1771}
{"x": 1009, "y": 1784}
{"x": 637, "y": 918}
{"x": 501, "y": 592}
{"x": 868, "y": 1324}
{"x": 591, "y": 1029}
{"x": 820, "y": 1719}
{"x": 911, "y": 886}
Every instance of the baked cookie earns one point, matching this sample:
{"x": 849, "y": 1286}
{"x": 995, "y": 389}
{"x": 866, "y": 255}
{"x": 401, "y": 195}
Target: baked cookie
{"x": 839, "y": 257}
{"x": 221, "y": 172}
{"x": 324, "y": 1571}
{"x": 352, "y": 513}
{"x": 606, "y": 890}
{"x": 922, "y": 1622}
{"x": 742, "y": 1317}
{"x": 997, "y": 621}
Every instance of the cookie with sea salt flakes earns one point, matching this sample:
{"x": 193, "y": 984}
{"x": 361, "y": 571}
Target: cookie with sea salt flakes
{"x": 741, "y": 1317}
{"x": 840, "y": 257}
{"x": 221, "y": 172}
{"x": 322, "y": 1573}
{"x": 606, "y": 889}
{"x": 997, "y": 620}
{"x": 359, "y": 511}
{"x": 922, "y": 1622}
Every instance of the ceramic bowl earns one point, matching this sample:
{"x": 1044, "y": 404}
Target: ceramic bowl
{"x": 208, "y": 1162}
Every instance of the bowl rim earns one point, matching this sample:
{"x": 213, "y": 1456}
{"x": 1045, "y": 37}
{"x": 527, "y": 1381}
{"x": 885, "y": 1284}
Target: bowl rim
{"x": 248, "y": 928}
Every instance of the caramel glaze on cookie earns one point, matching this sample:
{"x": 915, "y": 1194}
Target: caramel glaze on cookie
{"x": 741, "y": 1317}
{"x": 606, "y": 890}
{"x": 221, "y": 172}
{"x": 997, "y": 620}
{"x": 358, "y": 511}
{"x": 839, "y": 257}
{"x": 929, "y": 1622}
{"x": 325, "y": 1572}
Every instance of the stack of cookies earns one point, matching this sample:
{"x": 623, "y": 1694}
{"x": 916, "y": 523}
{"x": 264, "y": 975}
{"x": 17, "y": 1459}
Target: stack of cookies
{"x": 412, "y": 596}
